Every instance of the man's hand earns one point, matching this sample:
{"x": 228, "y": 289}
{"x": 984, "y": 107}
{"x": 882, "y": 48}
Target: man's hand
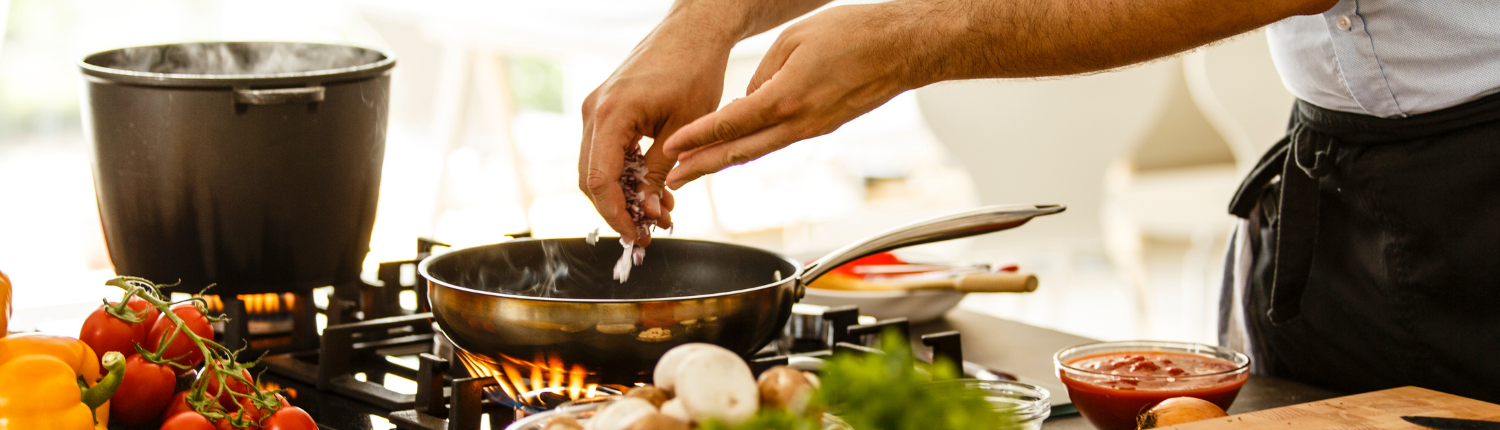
{"x": 822, "y": 72}
{"x": 670, "y": 79}
{"x": 673, "y": 77}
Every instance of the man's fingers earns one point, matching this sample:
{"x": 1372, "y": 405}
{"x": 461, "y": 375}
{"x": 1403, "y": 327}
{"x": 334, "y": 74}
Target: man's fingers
{"x": 714, "y": 158}
{"x": 770, "y": 64}
{"x": 665, "y": 221}
{"x": 737, "y": 119}
{"x": 652, "y": 202}
{"x": 668, "y": 201}
{"x": 606, "y": 161}
{"x": 583, "y": 153}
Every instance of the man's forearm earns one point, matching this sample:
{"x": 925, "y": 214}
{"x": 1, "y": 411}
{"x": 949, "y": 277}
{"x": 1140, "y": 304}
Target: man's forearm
{"x": 970, "y": 39}
{"x": 735, "y": 20}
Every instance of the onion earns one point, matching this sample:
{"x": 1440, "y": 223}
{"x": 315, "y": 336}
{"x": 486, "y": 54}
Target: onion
{"x": 630, "y": 181}
{"x": 1178, "y": 410}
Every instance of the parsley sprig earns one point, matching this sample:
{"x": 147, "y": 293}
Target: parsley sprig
{"x": 890, "y": 391}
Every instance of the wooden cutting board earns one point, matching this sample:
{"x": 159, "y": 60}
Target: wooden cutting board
{"x": 1377, "y": 410}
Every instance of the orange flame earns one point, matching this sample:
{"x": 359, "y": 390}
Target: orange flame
{"x": 481, "y": 366}
{"x": 257, "y": 304}
{"x": 575, "y": 381}
{"x": 556, "y": 370}
{"x": 537, "y": 365}
{"x": 544, "y": 372}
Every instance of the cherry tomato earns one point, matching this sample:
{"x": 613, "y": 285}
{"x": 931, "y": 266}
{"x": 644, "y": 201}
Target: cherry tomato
{"x": 290, "y": 418}
{"x": 138, "y": 304}
{"x": 187, "y": 421}
{"x": 229, "y": 402}
{"x": 178, "y": 405}
{"x": 145, "y": 392}
{"x": 182, "y": 350}
{"x": 104, "y": 332}
{"x": 251, "y": 418}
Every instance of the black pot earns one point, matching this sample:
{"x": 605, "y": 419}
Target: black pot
{"x": 253, "y": 165}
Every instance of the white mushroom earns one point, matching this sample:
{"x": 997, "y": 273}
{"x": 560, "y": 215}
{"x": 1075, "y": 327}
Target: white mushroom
{"x": 666, "y": 369}
{"x": 658, "y": 421}
{"x": 620, "y": 414}
{"x": 673, "y": 408}
{"x": 714, "y": 383}
{"x": 649, "y": 393}
{"x": 785, "y": 388}
{"x": 812, "y": 378}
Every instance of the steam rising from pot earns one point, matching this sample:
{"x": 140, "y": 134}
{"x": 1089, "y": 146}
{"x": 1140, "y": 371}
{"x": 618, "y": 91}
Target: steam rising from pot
{"x": 237, "y": 58}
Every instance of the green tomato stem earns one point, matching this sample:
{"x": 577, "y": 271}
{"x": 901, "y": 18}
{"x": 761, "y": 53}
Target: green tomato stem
{"x": 122, "y": 309}
{"x": 146, "y": 290}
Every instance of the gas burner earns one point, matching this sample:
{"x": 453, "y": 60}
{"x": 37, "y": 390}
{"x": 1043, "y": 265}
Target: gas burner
{"x": 341, "y": 377}
{"x": 490, "y": 394}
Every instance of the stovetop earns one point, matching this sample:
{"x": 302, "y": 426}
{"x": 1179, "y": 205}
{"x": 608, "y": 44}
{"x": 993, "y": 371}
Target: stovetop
{"x": 380, "y": 365}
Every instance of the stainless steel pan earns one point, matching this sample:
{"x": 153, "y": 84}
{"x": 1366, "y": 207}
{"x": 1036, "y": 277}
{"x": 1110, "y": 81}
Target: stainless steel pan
{"x": 554, "y": 297}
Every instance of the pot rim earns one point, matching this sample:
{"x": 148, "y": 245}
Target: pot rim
{"x": 110, "y": 74}
{"x": 422, "y": 269}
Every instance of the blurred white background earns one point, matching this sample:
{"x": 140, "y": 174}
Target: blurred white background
{"x": 485, "y": 127}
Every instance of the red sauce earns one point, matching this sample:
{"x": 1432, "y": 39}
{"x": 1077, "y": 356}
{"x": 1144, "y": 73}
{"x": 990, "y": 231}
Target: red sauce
{"x": 1121, "y": 385}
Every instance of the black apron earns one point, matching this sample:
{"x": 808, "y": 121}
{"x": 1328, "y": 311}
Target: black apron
{"x": 1371, "y": 254}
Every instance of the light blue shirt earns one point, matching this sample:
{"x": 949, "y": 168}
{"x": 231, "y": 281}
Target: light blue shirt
{"x": 1391, "y": 58}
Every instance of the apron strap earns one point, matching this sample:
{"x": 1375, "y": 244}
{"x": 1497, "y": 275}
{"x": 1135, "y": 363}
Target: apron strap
{"x": 1299, "y": 161}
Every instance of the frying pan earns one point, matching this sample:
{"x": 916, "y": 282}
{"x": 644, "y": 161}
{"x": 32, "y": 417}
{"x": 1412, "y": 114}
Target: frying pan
{"x": 554, "y": 299}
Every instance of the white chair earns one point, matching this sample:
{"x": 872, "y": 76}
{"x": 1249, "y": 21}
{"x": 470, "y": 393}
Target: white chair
{"x": 1050, "y": 141}
{"x": 1236, "y": 88}
{"x": 1047, "y": 141}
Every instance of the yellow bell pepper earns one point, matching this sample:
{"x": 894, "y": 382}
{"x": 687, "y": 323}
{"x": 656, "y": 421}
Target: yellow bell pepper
{"x": 4, "y": 303}
{"x": 40, "y": 383}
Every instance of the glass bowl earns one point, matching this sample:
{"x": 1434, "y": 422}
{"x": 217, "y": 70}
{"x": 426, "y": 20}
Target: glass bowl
{"x": 1026, "y": 404}
{"x": 1111, "y": 399}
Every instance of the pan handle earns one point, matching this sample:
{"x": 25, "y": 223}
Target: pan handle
{"x": 963, "y": 224}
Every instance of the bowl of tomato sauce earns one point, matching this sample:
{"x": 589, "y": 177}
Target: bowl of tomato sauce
{"x": 1113, "y": 382}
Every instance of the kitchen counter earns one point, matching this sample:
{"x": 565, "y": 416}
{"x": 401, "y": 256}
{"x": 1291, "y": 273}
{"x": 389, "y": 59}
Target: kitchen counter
{"x": 1026, "y": 351}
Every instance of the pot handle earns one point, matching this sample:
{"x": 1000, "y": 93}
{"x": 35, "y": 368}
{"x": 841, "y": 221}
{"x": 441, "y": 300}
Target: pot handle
{"x": 278, "y": 96}
{"x": 963, "y": 224}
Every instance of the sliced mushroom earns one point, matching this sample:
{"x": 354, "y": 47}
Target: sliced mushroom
{"x": 649, "y": 393}
{"x": 784, "y": 388}
{"x": 714, "y": 383}
{"x": 666, "y": 369}
{"x": 620, "y": 414}
{"x": 657, "y": 421}
{"x": 673, "y": 408}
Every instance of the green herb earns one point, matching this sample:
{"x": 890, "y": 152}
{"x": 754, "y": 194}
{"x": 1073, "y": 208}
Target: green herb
{"x": 890, "y": 391}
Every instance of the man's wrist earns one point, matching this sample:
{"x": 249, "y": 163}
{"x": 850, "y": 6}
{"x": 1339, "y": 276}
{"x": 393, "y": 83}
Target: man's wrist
{"x": 718, "y": 22}
{"x": 927, "y": 35}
